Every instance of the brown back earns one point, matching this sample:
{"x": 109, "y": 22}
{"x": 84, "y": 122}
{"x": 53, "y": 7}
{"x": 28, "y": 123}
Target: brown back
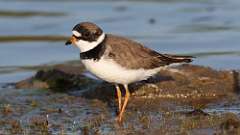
{"x": 133, "y": 55}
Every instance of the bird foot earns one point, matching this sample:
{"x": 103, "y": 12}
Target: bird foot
{"x": 119, "y": 119}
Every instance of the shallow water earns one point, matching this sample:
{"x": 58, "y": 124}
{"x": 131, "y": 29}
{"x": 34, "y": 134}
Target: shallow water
{"x": 207, "y": 29}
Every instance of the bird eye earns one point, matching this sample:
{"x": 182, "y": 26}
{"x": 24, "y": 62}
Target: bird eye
{"x": 98, "y": 32}
{"x": 86, "y": 34}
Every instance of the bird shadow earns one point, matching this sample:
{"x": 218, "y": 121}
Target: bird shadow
{"x": 152, "y": 80}
{"x": 106, "y": 92}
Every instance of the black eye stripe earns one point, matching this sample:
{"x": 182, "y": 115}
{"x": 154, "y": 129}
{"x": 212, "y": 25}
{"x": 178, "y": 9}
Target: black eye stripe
{"x": 87, "y": 34}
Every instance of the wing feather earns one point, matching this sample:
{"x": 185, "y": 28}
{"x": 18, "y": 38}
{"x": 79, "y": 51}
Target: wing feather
{"x": 133, "y": 55}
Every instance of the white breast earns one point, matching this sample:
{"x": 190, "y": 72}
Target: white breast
{"x": 110, "y": 71}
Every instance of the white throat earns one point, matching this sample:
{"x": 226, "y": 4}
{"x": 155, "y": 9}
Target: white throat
{"x": 86, "y": 46}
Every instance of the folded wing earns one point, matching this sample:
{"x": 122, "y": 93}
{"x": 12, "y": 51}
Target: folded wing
{"x": 133, "y": 55}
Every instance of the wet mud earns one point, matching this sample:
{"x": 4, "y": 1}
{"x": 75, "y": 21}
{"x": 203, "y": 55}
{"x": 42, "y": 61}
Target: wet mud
{"x": 62, "y": 99}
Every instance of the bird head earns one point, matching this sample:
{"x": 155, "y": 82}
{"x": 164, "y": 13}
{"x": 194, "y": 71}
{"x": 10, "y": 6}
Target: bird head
{"x": 86, "y": 35}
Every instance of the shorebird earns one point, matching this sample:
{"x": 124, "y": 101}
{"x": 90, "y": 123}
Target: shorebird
{"x": 118, "y": 60}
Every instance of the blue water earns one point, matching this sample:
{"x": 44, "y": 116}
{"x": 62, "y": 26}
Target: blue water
{"x": 207, "y": 29}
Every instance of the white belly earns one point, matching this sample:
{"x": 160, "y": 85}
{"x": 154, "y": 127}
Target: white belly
{"x": 110, "y": 71}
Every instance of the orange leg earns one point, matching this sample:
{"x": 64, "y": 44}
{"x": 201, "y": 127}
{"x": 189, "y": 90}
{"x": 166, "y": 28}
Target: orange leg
{"x": 127, "y": 95}
{"x": 119, "y": 95}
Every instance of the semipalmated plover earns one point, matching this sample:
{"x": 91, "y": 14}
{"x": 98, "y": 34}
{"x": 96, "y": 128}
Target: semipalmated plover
{"x": 117, "y": 59}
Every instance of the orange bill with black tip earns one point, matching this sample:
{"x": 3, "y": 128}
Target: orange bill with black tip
{"x": 72, "y": 40}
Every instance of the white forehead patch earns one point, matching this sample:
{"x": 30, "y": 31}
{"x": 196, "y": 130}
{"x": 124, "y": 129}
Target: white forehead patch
{"x": 77, "y": 34}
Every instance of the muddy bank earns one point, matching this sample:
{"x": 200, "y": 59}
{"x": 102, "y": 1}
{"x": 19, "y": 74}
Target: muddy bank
{"x": 187, "y": 99}
{"x": 186, "y": 82}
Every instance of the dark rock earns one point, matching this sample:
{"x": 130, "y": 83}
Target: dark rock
{"x": 231, "y": 126}
{"x": 236, "y": 77}
{"x": 58, "y": 79}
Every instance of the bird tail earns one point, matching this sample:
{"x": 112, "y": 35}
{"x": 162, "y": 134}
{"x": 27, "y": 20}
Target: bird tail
{"x": 177, "y": 58}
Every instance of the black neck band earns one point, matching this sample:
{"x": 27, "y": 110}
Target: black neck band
{"x": 94, "y": 53}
